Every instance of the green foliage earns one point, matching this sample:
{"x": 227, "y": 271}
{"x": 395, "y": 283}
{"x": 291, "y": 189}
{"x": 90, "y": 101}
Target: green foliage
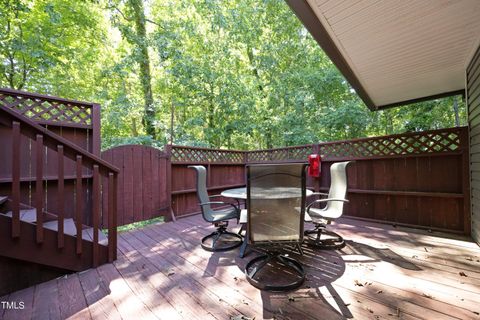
{"x": 238, "y": 74}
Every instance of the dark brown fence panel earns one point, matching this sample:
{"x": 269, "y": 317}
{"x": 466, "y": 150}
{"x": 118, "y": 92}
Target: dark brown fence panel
{"x": 142, "y": 183}
{"x": 225, "y": 170}
{"x": 413, "y": 179}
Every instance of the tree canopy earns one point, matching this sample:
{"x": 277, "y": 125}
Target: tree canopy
{"x": 237, "y": 74}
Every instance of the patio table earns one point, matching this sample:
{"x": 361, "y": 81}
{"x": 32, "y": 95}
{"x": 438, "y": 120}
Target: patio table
{"x": 262, "y": 193}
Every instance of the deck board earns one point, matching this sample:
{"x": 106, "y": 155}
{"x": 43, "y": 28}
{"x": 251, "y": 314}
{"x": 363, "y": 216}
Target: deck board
{"x": 163, "y": 273}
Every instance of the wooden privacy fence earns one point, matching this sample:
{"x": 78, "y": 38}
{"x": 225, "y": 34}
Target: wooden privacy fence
{"x": 143, "y": 191}
{"x": 418, "y": 179}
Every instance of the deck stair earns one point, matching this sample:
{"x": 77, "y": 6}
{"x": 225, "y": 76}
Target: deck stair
{"x": 56, "y": 192}
{"x": 29, "y": 215}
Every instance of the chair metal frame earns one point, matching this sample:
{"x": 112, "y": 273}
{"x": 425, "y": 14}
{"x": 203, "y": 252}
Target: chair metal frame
{"x": 208, "y": 215}
{"x": 270, "y": 255}
{"x": 314, "y": 236}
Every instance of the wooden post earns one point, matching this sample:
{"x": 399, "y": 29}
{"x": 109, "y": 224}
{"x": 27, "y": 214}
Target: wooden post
{"x": 79, "y": 204}
{"x": 96, "y": 129}
{"x": 96, "y": 213}
{"x": 61, "y": 197}
{"x": 39, "y": 188}
{"x": 168, "y": 151}
{"x": 112, "y": 227}
{"x": 15, "y": 179}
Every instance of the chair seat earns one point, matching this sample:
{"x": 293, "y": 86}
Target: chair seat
{"x": 223, "y": 214}
{"x": 320, "y": 215}
{"x": 243, "y": 216}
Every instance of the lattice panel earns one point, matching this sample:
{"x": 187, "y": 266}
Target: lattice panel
{"x": 433, "y": 142}
{"x": 278, "y": 155}
{"x": 40, "y": 110}
{"x": 185, "y": 154}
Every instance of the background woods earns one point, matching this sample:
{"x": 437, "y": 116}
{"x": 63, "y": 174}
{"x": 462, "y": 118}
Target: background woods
{"x": 234, "y": 74}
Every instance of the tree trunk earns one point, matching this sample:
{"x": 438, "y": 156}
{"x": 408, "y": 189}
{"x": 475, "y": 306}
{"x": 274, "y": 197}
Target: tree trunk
{"x": 143, "y": 61}
{"x": 455, "y": 110}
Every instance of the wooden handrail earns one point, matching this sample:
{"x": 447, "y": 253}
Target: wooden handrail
{"x": 52, "y": 140}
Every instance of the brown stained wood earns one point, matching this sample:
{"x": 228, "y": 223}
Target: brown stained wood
{"x": 39, "y": 148}
{"x": 96, "y": 214}
{"x": 399, "y": 278}
{"x": 25, "y": 296}
{"x": 61, "y": 197}
{"x": 46, "y": 304}
{"x": 51, "y": 140}
{"x": 70, "y": 294}
{"x": 128, "y": 304}
{"x": 15, "y": 180}
{"x": 138, "y": 184}
{"x": 111, "y": 213}
{"x": 190, "y": 300}
{"x": 142, "y": 183}
{"x": 147, "y": 199}
{"x": 163, "y": 294}
{"x": 128, "y": 177}
{"x": 97, "y": 295}
{"x": 79, "y": 204}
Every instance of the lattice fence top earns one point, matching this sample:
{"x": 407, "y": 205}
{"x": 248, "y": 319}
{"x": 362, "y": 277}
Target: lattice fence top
{"x": 396, "y": 145}
{"x": 47, "y": 110}
{"x": 299, "y": 153}
{"x": 203, "y": 155}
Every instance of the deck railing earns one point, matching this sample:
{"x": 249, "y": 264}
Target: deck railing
{"x": 29, "y": 139}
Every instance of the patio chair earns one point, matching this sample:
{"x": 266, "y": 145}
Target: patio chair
{"x": 319, "y": 236}
{"x": 276, "y": 209}
{"x": 221, "y": 239}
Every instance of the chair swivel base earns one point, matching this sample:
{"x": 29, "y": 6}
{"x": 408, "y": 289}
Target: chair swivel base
{"x": 215, "y": 241}
{"x": 324, "y": 239}
{"x": 290, "y": 268}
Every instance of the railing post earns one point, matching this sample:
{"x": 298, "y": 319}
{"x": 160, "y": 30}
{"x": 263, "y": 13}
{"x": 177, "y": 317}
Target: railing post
{"x": 39, "y": 188}
{"x": 168, "y": 151}
{"x": 112, "y": 213}
{"x": 61, "y": 196}
{"x": 96, "y": 213}
{"x": 79, "y": 204}
{"x": 15, "y": 179}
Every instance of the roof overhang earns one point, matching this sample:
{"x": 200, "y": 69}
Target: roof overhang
{"x": 396, "y": 52}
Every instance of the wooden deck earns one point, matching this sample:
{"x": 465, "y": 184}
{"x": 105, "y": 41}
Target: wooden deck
{"x": 162, "y": 272}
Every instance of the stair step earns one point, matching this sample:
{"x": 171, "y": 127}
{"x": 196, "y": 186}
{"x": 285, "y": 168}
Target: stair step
{"x": 68, "y": 226}
{"x": 3, "y": 199}
{"x": 26, "y": 215}
{"x": 70, "y": 229}
{"x": 87, "y": 234}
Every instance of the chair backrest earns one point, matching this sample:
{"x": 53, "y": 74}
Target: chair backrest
{"x": 338, "y": 186}
{"x": 276, "y": 202}
{"x": 202, "y": 193}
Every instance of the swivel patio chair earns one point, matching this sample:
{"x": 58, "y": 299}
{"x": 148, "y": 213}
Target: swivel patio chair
{"x": 221, "y": 239}
{"x": 321, "y": 237}
{"x": 276, "y": 209}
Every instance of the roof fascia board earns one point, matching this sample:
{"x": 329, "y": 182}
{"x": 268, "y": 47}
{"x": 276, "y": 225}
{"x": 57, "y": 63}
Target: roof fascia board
{"x": 310, "y": 20}
{"x": 422, "y": 99}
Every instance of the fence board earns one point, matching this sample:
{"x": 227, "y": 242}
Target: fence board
{"x": 142, "y": 181}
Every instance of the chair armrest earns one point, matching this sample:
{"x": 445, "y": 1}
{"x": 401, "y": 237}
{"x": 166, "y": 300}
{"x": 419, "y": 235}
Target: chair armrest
{"x": 325, "y": 200}
{"x": 319, "y": 194}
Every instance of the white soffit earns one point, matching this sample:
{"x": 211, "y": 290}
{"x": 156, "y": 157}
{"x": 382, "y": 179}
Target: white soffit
{"x": 403, "y": 49}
